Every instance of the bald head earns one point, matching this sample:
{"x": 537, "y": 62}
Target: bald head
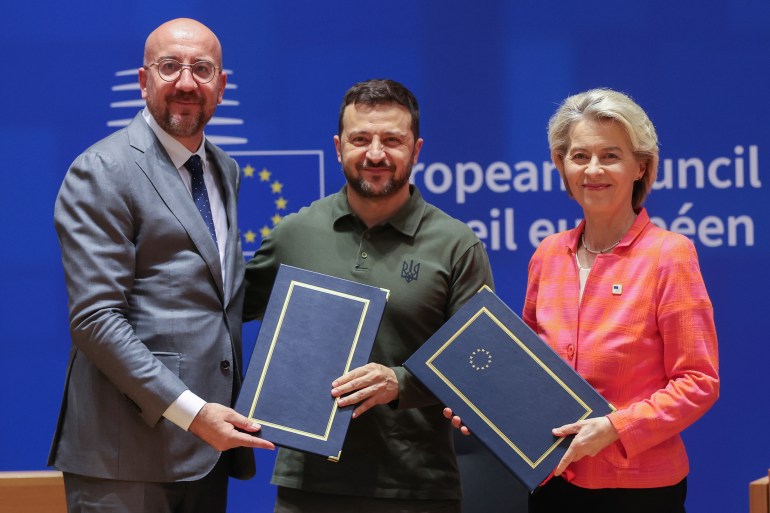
{"x": 181, "y": 103}
{"x": 182, "y": 32}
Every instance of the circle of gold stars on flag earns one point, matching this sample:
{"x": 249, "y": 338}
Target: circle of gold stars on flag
{"x": 280, "y": 202}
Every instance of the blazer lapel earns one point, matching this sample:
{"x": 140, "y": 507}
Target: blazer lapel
{"x": 156, "y": 165}
{"x": 232, "y": 248}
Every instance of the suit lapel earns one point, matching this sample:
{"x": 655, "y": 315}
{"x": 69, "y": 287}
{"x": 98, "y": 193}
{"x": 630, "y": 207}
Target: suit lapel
{"x": 157, "y": 166}
{"x": 232, "y": 249}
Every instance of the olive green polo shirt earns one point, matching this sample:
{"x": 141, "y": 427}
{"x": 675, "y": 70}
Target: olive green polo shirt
{"x": 431, "y": 263}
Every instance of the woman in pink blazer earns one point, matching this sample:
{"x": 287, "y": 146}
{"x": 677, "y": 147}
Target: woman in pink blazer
{"x": 623, "y": 302}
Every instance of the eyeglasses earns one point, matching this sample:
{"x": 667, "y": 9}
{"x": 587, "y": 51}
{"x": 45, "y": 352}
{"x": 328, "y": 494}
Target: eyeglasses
{"x": 170, "y": 70}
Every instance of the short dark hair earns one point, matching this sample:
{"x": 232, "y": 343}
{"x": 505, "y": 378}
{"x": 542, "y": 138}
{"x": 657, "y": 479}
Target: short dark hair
{"x": 379, "y": 91}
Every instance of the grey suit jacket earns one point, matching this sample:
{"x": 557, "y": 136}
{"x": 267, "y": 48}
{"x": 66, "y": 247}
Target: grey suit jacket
{"x": 150, "y": 315}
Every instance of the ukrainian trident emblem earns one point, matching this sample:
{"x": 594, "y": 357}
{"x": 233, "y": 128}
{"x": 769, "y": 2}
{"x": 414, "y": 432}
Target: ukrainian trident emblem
{"x": 409, "y": 271}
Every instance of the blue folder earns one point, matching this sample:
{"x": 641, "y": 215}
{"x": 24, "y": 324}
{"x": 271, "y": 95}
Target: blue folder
{"x": 508, "y": 386}
{"x": 315, "y": 328}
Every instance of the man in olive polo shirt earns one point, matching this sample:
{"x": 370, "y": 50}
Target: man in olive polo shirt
{"x": 378, "y": 230}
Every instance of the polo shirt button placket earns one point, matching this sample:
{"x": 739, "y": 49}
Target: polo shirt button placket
{"x": 362, "y": 253}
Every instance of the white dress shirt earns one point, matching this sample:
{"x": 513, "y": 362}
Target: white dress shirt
{"x": 184, "y": 409}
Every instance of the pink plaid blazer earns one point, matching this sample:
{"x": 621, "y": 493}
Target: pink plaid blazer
{"x": 643, "y": 336}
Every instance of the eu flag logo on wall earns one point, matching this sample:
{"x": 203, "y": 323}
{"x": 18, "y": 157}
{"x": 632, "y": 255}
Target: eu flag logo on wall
{"x": 273, "y": 185}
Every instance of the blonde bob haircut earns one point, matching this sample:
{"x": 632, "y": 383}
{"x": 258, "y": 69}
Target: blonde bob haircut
{"x": 606, "y": 104}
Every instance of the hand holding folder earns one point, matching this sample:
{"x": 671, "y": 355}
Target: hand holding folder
{"x": 507, "y": 385}
{"x": 592, "y": 435}
{"x": 369, "y": 385}
{"x": 316, "y": 329}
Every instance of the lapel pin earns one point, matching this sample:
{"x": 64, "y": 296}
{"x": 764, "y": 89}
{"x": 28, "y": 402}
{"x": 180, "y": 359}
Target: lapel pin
{"x": 617, "y": 289}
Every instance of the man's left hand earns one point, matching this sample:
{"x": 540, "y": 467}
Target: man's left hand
{"x": 369, "y": 385}
{"x": 216, "y": 425}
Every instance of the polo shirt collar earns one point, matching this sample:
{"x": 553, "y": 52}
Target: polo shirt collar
{"x": 406, "y": 220}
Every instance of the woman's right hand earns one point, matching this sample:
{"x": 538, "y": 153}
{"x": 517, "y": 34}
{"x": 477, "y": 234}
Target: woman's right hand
{"x": 456, "y": 421}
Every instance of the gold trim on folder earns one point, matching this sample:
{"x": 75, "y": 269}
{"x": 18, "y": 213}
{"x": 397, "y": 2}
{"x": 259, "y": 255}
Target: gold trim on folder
{"x": 498, "y": 431}
{"x": 294, "y": 283}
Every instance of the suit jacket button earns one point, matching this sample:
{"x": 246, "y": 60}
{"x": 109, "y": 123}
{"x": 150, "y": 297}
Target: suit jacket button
{"x": 225, "y": 364}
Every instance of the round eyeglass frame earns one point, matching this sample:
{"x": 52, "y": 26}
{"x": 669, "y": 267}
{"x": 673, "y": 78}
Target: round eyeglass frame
{"x": 181, "y": 69}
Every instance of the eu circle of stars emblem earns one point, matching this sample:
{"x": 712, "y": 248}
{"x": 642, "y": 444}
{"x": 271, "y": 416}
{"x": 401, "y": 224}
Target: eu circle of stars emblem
{"x": 278, "y": 202}
{"x": 480, "y": 359}
{"x": 273, "y": 185}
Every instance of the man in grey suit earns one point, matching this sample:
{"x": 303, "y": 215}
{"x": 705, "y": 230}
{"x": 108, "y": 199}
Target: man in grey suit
{"x": 154, "y": 271}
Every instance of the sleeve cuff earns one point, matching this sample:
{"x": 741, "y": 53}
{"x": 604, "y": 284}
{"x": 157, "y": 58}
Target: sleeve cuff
{"x": 183, "y": 411}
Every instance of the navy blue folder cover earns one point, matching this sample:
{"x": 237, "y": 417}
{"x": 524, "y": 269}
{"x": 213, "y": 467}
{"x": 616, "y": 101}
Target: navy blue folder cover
{"x": 315, "y": 328}
{"x": 508, "y": 386}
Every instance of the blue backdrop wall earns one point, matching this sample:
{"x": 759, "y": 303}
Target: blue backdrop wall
{"x": 488, "y": 75}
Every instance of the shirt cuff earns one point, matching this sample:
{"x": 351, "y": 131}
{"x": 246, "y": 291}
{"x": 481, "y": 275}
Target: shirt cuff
{"x": 183, "y": 411}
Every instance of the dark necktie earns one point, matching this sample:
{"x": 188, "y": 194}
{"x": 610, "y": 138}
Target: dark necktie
{"x": 199, "y": 192}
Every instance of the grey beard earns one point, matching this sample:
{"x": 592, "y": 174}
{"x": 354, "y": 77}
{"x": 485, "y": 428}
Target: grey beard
{"x": 363, "y": 188}
{"x": 178, "y": 128}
